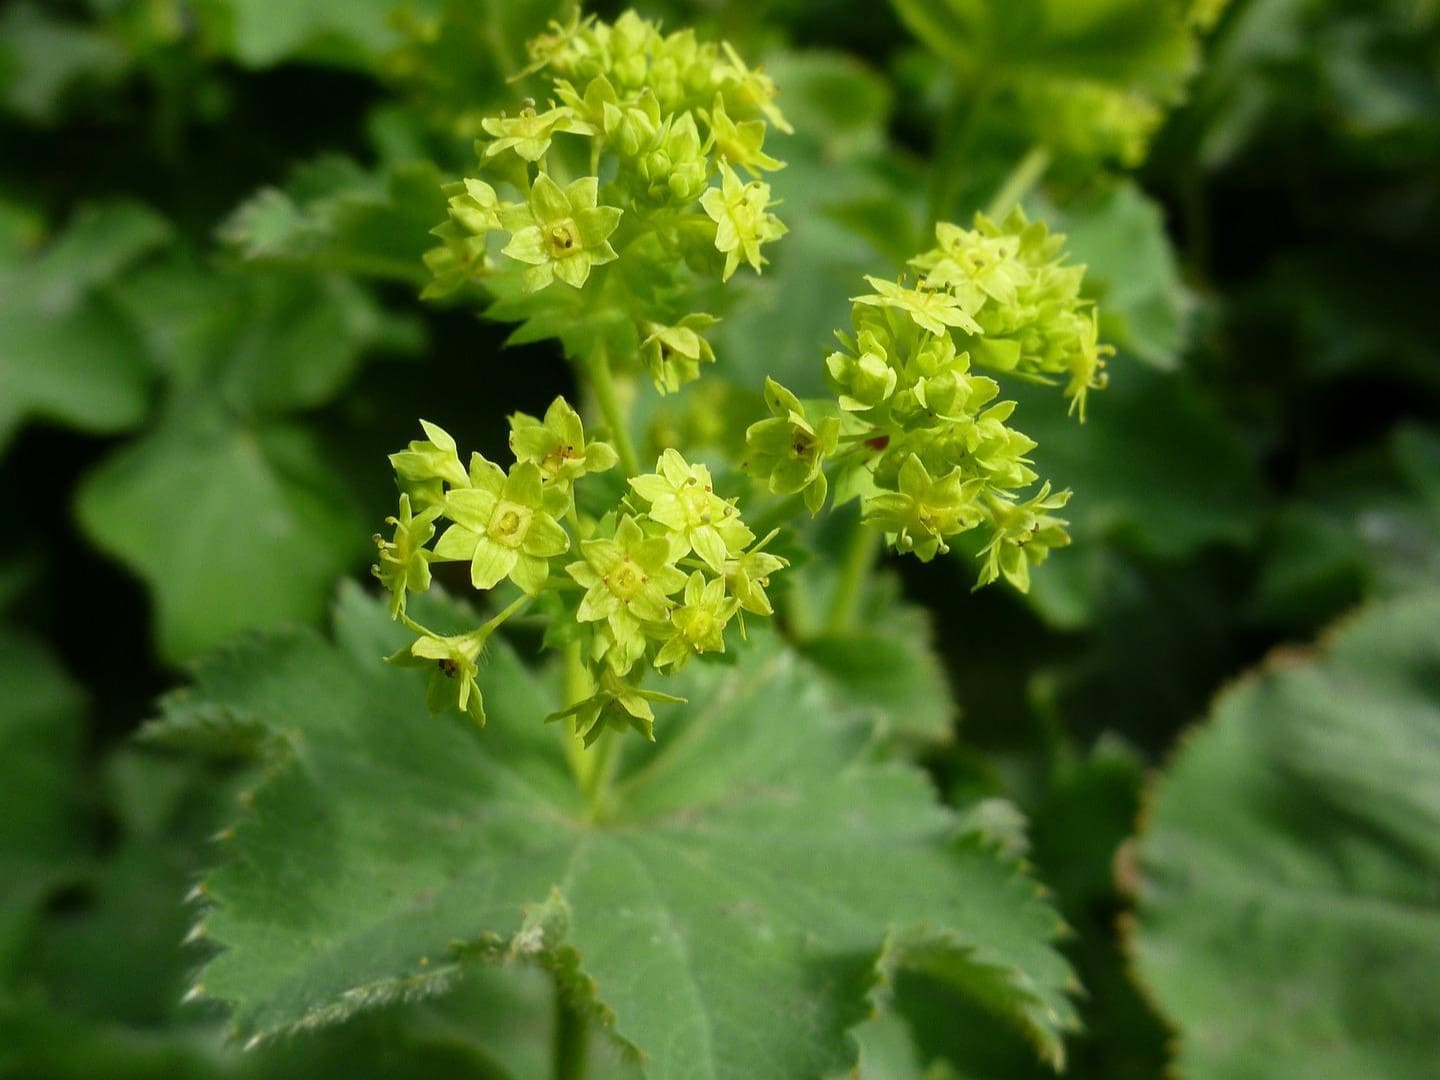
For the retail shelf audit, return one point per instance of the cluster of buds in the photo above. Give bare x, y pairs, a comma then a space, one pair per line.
631, 173
916, 431
658, 579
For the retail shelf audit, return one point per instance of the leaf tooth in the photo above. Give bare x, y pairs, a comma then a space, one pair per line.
197, 933
195, 993
200, 891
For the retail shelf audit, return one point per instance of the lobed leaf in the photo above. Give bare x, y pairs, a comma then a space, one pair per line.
1289, 901
752, 878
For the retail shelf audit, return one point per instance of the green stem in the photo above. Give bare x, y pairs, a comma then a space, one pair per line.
603, 383
414, 627
601, 771
571, 1034
513, 608
1017, 185
859, 559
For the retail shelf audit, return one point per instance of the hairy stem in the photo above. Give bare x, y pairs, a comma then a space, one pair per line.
1026, 174
602, 381
513, 608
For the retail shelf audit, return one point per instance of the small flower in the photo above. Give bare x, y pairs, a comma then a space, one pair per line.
742, 220
866, 380
682, 498
698, 624
787, 451
404, 562
529, 134
562, 233
748, 576
1024, 535
427, 465
614, 704
673, 354
627, 579
1087, 362
453, 663
501, 527
751, 89
924, 511
931, 309
675, 168
557, 444
973, 266
474, 206
739, 144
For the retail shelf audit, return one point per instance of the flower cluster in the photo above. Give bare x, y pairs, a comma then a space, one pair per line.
670, 124
916, 430
663, 578
656, 580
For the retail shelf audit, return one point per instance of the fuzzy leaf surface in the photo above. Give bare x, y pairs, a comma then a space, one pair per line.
1289, 915
755, 875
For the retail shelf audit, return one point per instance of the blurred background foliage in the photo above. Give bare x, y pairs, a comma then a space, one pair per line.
211, 217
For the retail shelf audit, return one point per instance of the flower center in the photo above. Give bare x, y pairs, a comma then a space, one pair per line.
562, 238
698, 503
696, 624
626, 580
509, 523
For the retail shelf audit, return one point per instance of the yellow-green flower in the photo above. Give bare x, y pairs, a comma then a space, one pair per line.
426, 466
698, 624
557, 446
529, 133
748, 576
673, 354
626, 579
924, 511
502, 528
740, 144
742, 220
682, 498
453, 663
787, 451
931, 309
616, 704
562, 233
1023, 536
404, 561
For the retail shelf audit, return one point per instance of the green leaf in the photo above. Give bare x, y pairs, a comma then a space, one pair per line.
349, 33
267, 339
232, 526
754, 875
1134, 44
1131, 270
1288, 916
42, 829
68, 352
335, 216
43, 57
